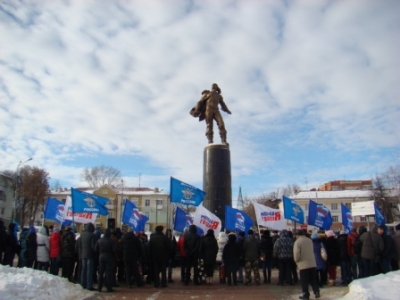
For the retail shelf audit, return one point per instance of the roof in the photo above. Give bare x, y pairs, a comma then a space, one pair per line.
333, 194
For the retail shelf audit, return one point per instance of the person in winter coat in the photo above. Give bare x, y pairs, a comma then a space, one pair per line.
333, 251
352, 237
240, 241
55, 250
251, 252
208, 253
107, 249
396, 239
267, 249
358, 250
389, 250
303, 255
320, 263
86, 248
97, 235
3, 235
222, 239
372, 246
345, 267
43, 249
10, 246
158, 251
231, 256
182, 253
191, 245
23, 246
68, 253
171, 253
31, 243
283, 250
131, 253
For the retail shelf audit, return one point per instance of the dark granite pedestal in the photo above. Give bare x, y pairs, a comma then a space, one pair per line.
217, 179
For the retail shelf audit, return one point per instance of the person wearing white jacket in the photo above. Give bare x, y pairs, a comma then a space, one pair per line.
222, 240
43, 249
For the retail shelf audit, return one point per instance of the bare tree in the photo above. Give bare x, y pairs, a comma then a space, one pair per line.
56, 185
31, 191
382, 196
99, 176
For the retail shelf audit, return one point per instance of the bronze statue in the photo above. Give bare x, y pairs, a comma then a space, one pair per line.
207, 108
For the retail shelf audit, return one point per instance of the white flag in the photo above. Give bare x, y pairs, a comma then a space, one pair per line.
205, 220
78, 217
269, 217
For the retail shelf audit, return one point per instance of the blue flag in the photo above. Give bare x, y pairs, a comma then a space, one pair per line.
84, 202
237, 220
55, 211
292, 210
142, 223
347, 218
184, 193
319, 216
132, 216
183, 220
379, 217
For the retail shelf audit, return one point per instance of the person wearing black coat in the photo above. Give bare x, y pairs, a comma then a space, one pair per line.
345, 265
267, 249
3, 234
208, 253
171, 253
158, 251
231, 257
333, 251
107, 249
86, 248
68, 253
191, 245
131, 253
11, 246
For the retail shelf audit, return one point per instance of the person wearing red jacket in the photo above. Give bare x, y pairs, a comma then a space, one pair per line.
55, 248
351, 237
182, 254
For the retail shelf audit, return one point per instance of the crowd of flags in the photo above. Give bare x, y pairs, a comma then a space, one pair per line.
82, 207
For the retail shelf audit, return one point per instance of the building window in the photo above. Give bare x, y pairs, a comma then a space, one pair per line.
41, 216
336, 188
2, 196
306, 207
367, 187
135, 201
105, 192
98, 216
110, 214
159, 204
2, 210
363, 219
335, 218
147, 202
110, 202
348, 205
147, 214
334, 206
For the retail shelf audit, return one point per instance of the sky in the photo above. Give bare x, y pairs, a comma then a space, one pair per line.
25, 283
313, 87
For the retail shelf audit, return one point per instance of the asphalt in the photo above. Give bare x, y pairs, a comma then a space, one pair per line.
179, 291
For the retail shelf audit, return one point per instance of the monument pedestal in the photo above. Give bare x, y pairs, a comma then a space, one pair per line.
217, 179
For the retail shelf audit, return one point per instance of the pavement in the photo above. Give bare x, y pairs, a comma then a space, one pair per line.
179, 291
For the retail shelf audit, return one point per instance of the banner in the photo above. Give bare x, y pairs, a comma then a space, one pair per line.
379, 217
55, 211
365, 208
319, 216
269, 217
347, 218
78, 216
237, 220
205, 220
132, 216
184, 193
292, 210
88, 203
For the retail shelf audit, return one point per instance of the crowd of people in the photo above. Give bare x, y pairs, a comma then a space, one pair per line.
110, 258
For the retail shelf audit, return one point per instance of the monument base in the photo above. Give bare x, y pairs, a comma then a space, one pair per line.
217, 179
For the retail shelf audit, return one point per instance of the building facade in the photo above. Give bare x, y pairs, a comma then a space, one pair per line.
6, 198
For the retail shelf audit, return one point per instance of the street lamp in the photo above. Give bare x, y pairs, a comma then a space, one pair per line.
16, 187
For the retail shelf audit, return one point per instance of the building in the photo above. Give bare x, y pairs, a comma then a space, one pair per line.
341, 185
6, 198
152, 203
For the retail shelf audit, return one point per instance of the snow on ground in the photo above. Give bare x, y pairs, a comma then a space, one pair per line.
32, 284
379, 287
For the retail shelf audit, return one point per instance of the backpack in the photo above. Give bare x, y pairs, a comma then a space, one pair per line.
357, 245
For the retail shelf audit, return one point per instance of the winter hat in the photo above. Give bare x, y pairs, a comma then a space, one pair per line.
329, 233
159, 228
314, 236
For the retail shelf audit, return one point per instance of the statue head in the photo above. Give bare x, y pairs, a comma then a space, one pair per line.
216, 88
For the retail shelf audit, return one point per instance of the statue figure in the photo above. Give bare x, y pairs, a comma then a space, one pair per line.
207, 108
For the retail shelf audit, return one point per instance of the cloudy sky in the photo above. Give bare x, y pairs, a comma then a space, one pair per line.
313, 87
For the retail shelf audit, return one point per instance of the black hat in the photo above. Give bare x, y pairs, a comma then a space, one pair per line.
159, 228
299, 232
